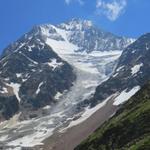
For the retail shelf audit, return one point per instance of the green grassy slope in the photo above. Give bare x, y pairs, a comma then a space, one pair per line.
129, 129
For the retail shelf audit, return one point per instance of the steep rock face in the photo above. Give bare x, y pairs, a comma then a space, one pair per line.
129, 129
8, 106
33, 74
133, 70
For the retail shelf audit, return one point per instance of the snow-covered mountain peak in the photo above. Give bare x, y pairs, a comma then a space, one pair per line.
45, 31
76, 24
56, 67
81, 36
73, 36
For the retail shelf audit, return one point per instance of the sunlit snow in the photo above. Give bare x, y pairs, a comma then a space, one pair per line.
38, 89
15, 87
136, 68
125, 95
54, 64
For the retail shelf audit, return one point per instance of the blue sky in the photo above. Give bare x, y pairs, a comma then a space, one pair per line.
123, 17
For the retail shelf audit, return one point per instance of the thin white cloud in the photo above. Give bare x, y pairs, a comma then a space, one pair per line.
112, 10
81, 2
68, 1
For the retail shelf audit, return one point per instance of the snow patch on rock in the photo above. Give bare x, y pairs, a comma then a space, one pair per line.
54, 64
47, 107
15, 87
120, 68
125, 95
18, 75
58, 95
4, 90
136, 68
38, 89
